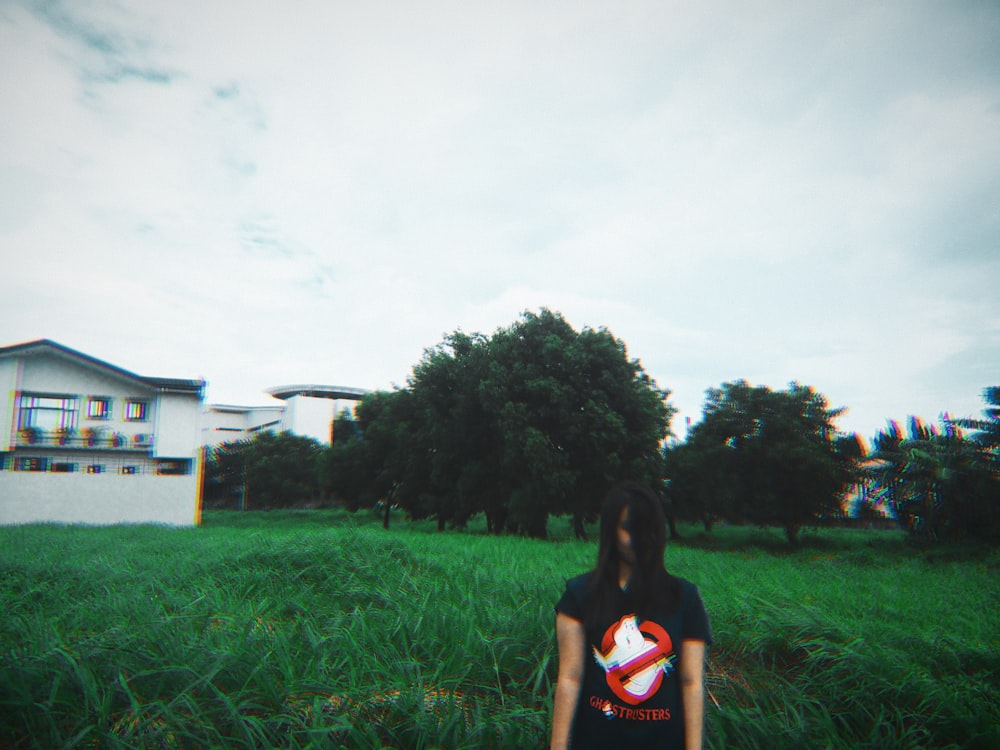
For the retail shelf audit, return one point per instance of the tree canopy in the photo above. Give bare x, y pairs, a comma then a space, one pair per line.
536, 419
937, 482
987, 429
268, 471
765, 456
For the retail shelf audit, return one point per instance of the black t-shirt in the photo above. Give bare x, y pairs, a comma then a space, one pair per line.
631, 694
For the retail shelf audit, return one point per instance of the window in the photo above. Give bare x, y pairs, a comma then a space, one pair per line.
98, 408
25, 463
136, 411
178, 467
47, 412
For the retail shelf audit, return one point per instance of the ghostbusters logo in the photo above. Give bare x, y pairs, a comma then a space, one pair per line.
635, 657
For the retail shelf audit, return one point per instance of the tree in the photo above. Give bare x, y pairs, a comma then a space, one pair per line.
937, 483
770, 457
701, 483
536, 419
364, 464
268, 471
225, 475
343, 467
987, 429
573, 415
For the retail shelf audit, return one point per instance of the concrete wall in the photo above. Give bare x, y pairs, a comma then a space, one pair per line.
35, 497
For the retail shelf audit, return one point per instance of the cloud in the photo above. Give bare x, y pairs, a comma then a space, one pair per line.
800, 191
105, 53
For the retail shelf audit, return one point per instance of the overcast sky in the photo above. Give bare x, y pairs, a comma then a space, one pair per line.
261, 193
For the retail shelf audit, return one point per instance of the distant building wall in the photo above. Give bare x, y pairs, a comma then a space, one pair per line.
221, 423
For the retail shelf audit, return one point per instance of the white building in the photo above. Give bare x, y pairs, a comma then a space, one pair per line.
223, 423
84, 441
307, 410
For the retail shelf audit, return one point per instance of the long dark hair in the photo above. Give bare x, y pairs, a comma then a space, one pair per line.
653, 588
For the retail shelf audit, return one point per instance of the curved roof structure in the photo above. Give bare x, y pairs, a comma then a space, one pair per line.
319, 391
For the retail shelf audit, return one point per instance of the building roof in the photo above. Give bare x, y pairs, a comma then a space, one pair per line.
40, 346
319, 391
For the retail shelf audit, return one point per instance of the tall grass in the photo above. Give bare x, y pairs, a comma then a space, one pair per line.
323, 630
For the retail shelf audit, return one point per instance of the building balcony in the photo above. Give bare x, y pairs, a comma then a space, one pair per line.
83, 440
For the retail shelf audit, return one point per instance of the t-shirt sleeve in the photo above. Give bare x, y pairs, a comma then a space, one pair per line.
696, 624
571, 602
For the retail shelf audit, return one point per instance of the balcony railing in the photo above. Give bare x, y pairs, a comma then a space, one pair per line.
78, 440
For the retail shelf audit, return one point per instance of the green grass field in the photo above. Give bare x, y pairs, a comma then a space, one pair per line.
321, 629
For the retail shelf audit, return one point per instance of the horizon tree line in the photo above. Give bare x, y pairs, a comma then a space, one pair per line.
540, 420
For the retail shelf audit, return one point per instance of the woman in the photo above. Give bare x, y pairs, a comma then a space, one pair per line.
631, 638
